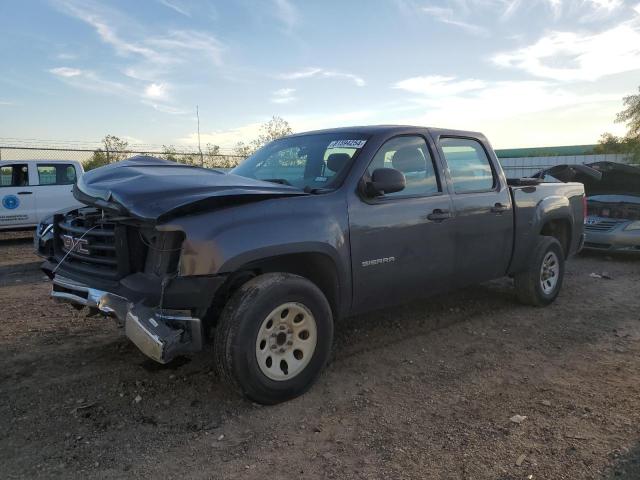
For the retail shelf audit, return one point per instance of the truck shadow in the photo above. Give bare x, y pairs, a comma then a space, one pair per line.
615, 256
626, 466
22, 274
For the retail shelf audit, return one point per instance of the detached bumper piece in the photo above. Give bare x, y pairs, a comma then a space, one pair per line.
160, 334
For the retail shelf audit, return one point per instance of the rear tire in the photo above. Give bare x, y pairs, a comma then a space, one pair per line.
274, 337
540, 284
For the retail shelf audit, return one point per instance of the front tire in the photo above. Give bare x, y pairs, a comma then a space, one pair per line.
274, 337
540, 284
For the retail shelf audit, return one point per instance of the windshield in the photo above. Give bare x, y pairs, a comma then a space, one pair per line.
306, 161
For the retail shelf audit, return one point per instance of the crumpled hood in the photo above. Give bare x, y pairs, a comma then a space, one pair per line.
153, 189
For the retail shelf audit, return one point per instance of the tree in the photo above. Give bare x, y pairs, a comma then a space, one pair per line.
630, 143
275, 128
114, 150
631, 115
242, 149
212, 150
169, 153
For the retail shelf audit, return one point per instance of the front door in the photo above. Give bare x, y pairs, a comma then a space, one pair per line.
17, 196
402, 243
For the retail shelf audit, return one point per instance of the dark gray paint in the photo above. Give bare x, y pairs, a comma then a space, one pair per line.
475, 244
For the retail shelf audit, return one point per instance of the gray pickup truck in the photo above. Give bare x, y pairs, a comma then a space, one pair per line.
311, 228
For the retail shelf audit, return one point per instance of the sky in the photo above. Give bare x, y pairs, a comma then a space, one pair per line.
524, 72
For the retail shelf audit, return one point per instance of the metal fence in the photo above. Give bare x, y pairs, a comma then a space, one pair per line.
514, 167
527, 166
8, 153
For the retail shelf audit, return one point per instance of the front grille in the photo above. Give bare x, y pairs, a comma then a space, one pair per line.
88, 244
602, 225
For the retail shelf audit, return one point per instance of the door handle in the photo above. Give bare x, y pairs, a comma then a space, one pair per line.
499, 208
25, 193
439, 215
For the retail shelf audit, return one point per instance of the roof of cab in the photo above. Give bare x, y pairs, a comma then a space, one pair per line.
390, 130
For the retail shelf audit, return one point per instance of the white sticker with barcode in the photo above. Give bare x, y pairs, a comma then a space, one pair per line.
347, 144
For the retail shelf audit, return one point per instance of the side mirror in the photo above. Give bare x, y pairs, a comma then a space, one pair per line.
385, 180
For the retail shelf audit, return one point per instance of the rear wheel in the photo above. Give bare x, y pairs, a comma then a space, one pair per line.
540, 284
274, 337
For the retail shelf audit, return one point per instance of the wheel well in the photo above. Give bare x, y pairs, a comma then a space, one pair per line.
316, 267
561, 230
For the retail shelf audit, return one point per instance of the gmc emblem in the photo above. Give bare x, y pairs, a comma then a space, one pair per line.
78, 245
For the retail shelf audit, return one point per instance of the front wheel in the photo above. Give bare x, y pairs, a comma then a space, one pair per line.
274, 337
540, 284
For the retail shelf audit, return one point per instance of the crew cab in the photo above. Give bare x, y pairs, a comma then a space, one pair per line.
311, 228
32, 190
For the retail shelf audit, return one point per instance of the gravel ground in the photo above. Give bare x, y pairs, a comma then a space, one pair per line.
426, 390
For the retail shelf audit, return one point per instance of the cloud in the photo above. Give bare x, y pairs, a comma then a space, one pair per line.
173, 47
469, 103
437, 85
66, 72
570, 56
176, 43
152, 57
90, 81
66, 56
165, 108
5, 103
448, 16
156, 91
176, 7
154, 95
105, 31
225, 138
286, 13
517, 113
606, 4
320, 72
283, 95
463, 13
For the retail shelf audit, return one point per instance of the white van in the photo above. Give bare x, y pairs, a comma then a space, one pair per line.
31, 190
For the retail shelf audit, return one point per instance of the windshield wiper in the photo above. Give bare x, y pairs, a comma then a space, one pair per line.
281, 181
315, 190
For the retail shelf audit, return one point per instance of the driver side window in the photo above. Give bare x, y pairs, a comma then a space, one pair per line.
411, 156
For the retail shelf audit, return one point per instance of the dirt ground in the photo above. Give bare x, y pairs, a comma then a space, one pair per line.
424, 391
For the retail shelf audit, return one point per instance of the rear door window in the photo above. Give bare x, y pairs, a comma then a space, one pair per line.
469, 165
56, 174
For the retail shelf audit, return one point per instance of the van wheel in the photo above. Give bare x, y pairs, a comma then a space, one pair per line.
540, 284
274, 337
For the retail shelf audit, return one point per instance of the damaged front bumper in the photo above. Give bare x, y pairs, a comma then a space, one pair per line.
161, 334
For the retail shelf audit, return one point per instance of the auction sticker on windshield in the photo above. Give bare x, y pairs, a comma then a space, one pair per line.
347, 144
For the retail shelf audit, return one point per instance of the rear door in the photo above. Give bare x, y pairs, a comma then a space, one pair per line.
402, 243
483, 211
55, 187
17, 195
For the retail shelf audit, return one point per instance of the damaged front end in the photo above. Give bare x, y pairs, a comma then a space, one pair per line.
128, 270
161, 334
119, 256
